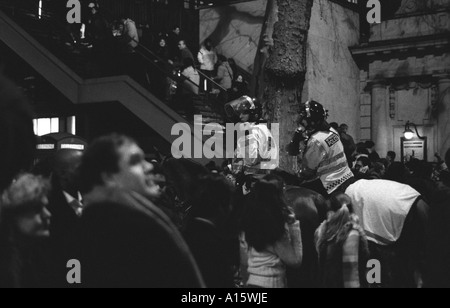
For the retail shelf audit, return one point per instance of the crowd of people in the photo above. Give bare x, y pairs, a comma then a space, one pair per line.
165, 63
173, 223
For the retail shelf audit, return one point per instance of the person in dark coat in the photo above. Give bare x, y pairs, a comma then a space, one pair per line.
126, 241
373, 155
65, 204
24, 229
16, 154
215, 248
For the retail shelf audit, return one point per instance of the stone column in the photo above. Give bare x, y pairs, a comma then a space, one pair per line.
381, 130
444, 114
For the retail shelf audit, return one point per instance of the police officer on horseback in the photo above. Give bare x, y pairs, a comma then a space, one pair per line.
256, 151
324, 167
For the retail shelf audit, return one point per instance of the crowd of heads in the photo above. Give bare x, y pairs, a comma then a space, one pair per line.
209, 229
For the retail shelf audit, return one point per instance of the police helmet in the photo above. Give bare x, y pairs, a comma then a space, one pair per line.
242, 105
314, 111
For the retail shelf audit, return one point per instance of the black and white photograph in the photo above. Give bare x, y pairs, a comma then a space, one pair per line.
224, 148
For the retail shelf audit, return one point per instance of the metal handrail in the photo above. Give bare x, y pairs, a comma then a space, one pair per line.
47, 16
168, 63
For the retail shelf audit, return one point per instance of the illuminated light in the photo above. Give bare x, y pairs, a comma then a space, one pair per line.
79, 147
409, 135
45, 147
40, 9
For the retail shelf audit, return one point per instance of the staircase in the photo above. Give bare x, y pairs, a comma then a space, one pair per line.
122, 89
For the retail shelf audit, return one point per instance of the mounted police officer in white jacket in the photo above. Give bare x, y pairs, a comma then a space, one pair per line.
257, 150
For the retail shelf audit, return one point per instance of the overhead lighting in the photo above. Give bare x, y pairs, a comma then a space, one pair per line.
40, 9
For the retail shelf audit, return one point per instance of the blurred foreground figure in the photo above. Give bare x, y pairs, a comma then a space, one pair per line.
126, 241
215, 247
17, 139
25, 222
65, 205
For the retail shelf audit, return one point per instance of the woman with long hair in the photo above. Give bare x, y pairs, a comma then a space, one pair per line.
270, 238
342, 247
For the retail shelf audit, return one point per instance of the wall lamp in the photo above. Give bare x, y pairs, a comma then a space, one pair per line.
409, 134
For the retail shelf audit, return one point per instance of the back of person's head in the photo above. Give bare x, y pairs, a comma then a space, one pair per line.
101, 157
335, 125
212, 198
397, 172
343, 127
392, 155
369, 144
278, 181
340, 212
264, 216
378, 170
20, 202
17, 138
362, 150
25, 192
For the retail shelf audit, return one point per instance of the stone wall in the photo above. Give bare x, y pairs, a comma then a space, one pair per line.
413, 26
333, 77
405, 76
235, 30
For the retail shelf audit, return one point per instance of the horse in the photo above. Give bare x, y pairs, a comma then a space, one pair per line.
395, 218
401, 259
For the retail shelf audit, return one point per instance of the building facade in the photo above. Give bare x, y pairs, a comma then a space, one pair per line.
405, 77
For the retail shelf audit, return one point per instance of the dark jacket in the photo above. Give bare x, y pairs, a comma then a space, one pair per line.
24, 264
64, 234
213, 252
126, 241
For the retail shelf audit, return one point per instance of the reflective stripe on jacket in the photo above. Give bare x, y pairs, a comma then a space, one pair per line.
325, 159
256, 151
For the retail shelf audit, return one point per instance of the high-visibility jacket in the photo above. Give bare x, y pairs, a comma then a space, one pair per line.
257, 150
325, 159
